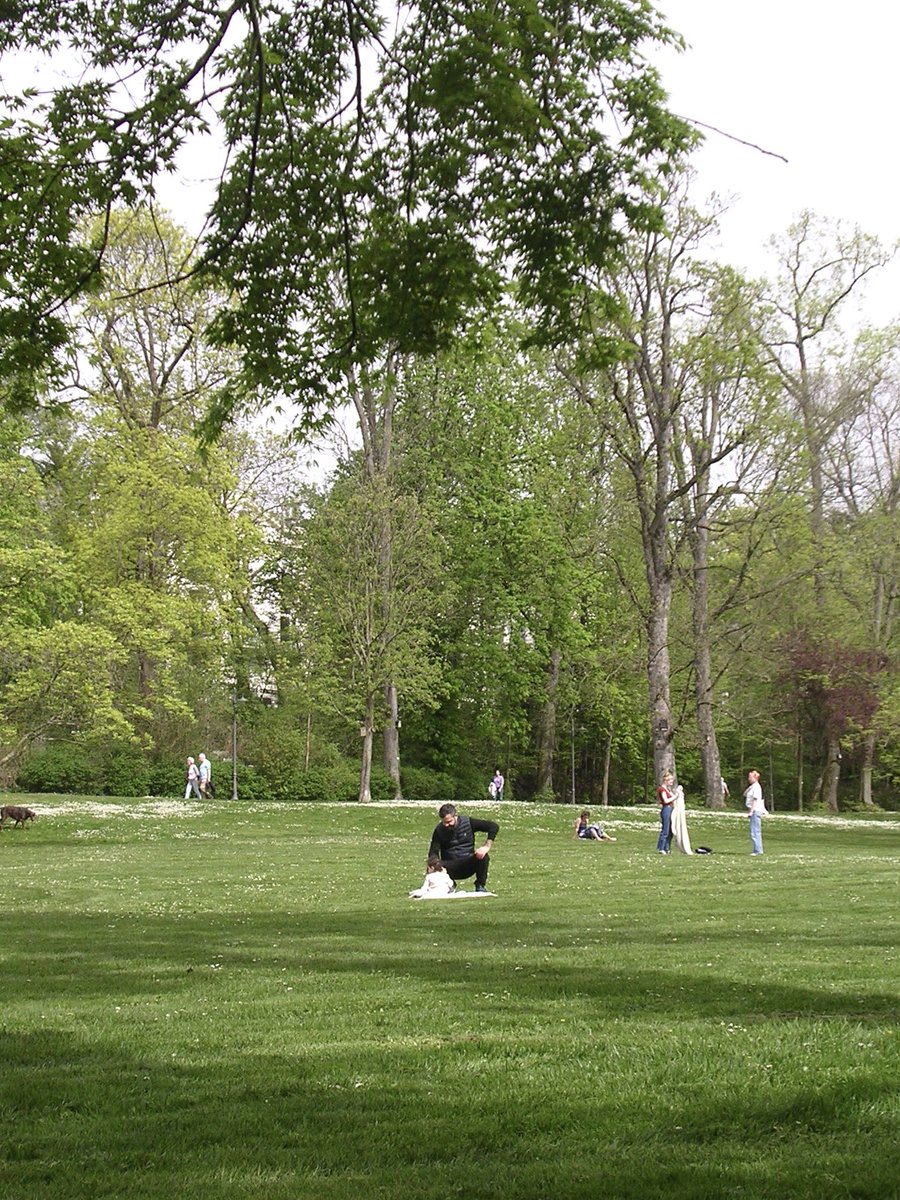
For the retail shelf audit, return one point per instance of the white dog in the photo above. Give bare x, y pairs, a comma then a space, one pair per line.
437, 883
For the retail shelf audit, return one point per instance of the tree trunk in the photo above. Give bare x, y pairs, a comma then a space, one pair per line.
607, 755
706, 730
868, 764
658, 673
145, 672
375, 409
709, 756
391, 729
817, 489
365, 773
547, 729
11, 756
827, 784
392, 738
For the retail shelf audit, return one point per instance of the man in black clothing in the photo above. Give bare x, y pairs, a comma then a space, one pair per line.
453, 841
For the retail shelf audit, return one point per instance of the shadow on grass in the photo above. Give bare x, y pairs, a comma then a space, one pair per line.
52, 956
92, 1120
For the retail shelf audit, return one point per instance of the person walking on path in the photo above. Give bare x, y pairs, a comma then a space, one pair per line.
192, 783
204, 770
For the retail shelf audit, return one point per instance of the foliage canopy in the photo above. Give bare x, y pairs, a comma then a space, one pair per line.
379, 176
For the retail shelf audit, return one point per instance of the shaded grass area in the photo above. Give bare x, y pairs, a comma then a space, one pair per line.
245, 1004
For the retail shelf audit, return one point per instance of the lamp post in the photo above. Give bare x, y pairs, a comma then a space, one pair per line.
234, 787
572, 749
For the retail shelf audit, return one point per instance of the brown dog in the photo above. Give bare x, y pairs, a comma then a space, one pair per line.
14, 812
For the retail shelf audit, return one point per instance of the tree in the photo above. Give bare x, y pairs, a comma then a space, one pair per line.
827, 376
829, 380
160, 547
375, 394
638, 401
369, 629
144, 357
862, 469
412, 170
155, 556
722, 453
837, 686
492, 440
56, 672
127, 545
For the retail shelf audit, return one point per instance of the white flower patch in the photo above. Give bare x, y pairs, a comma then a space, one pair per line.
841, 822
138, 811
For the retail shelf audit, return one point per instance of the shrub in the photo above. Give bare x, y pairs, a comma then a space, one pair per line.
381, 786
429, 786
547, 796
166, 777
302, 786
339, 782
62, 767
126, 773
252, 785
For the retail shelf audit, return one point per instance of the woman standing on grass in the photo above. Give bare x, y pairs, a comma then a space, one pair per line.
756, 806
666, 795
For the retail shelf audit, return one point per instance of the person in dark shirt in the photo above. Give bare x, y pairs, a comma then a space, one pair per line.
453, 841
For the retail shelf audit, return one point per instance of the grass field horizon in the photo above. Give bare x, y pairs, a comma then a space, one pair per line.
217, 1000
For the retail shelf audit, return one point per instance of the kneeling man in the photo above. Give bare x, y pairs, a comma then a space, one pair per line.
453, 841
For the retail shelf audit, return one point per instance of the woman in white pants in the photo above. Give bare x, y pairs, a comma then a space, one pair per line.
193, 780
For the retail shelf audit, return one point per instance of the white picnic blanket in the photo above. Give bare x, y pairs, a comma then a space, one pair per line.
453, 896
679, 823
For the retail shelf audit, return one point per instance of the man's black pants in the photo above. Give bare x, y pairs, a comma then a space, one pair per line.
463, 868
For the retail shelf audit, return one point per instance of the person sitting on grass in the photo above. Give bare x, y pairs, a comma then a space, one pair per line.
436, 884
453, 841
592, 833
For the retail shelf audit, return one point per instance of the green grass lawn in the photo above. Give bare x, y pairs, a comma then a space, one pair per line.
211, 1001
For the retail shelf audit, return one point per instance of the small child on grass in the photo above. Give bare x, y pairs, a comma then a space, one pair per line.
437, 882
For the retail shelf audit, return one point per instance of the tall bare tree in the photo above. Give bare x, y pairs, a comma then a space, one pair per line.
828, 376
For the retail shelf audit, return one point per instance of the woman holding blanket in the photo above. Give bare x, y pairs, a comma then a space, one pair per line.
666, 795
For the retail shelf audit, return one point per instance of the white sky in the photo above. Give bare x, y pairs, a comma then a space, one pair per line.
811, 80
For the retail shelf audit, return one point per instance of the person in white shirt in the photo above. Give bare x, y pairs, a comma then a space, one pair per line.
756, 810
437, 882
204, 771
